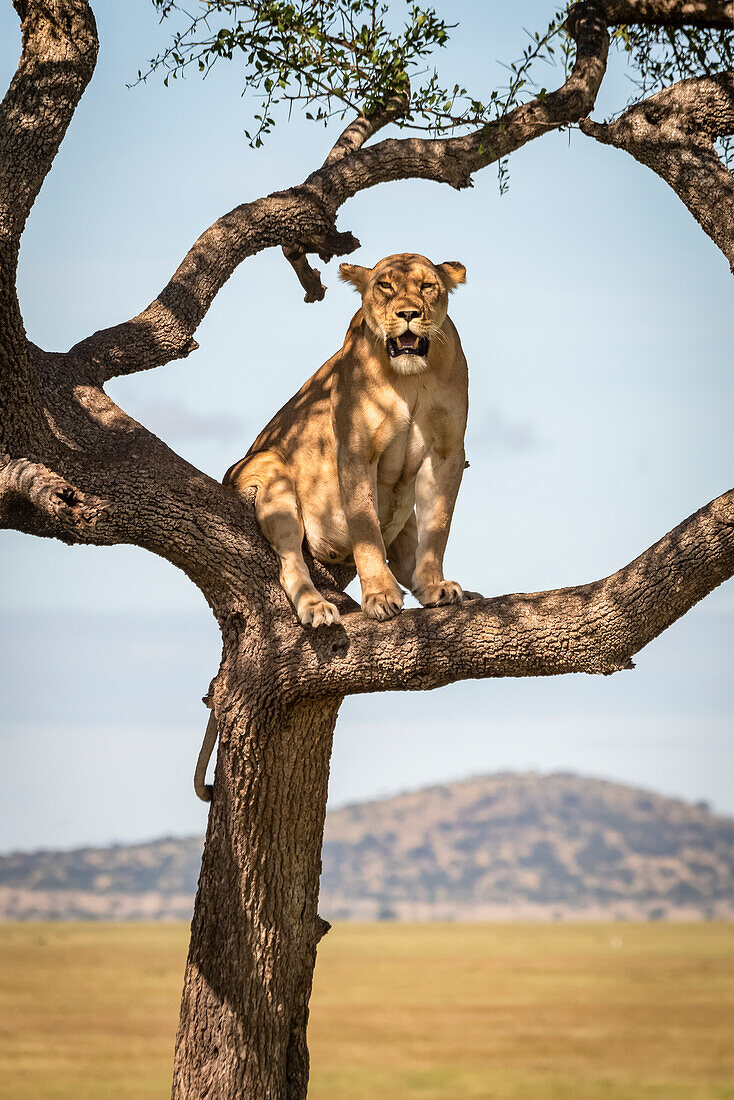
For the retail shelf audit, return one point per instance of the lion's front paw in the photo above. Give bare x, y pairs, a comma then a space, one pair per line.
442, 592
383, 605
314, 610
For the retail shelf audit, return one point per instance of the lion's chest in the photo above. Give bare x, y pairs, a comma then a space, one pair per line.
402, 457
397, 469
397, 433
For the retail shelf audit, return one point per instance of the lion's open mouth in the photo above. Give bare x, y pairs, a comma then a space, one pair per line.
408, 343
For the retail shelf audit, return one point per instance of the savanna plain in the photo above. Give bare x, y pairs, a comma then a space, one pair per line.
436, 1012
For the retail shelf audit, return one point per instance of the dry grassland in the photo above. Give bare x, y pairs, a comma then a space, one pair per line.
415, 1012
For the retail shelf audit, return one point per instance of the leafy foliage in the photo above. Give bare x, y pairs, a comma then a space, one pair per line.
332, 56
345, 57
663, 55
340, 56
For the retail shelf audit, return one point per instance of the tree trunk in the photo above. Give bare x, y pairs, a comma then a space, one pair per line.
244, 1011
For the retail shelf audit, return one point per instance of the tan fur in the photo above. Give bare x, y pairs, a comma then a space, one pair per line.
366, 460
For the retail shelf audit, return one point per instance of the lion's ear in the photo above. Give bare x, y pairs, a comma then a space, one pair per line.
356, 275
452, 273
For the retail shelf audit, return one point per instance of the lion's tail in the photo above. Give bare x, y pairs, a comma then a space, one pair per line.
205, 790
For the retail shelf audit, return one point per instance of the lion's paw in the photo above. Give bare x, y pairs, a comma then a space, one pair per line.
442, 592
314, 610
383, 605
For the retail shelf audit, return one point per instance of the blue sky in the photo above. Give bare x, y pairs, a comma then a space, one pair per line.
598, 327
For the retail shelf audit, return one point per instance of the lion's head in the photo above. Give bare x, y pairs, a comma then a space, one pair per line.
404, 303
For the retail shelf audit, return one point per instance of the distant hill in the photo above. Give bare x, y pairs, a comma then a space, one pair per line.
529, 845
497, 847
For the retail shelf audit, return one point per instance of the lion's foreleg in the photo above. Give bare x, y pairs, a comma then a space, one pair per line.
382, 596
436, 489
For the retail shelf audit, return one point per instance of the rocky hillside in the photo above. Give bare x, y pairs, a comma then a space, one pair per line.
496, 847
529, 845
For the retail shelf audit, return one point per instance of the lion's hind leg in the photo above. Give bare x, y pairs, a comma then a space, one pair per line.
401, 553
279, 518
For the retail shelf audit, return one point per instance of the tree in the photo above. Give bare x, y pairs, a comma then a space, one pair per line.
75, 467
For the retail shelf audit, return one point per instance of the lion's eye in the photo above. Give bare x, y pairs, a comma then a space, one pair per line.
384, 286
428, 286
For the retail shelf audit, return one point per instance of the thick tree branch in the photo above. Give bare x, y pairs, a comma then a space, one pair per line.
59, 53
57, 61
163, 331
670, 13
594, 628
362, 128
35, 500
673, 133
303, 218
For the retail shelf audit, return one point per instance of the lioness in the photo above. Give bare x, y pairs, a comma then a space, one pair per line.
366, 460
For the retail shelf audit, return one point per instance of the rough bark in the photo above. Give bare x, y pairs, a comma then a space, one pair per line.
593, 628
670, 13
74, 466
242, 1030
59, 54
59, 39
37, 501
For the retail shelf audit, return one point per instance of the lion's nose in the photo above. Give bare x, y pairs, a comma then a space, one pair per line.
408, 314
